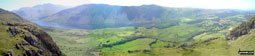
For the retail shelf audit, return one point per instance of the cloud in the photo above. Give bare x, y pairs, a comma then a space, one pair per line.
16, 4
67, 2
209, 4
213, 4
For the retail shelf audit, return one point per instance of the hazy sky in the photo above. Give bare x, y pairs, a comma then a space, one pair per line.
209, 4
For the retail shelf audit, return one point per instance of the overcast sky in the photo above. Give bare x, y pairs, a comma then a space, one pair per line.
208, 4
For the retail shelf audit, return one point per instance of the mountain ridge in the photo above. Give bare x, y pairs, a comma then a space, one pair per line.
94, 16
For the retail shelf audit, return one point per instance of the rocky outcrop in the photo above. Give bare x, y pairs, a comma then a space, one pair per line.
19, 37
243, 29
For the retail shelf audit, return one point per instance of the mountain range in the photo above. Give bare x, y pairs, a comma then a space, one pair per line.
95, 16
39, 11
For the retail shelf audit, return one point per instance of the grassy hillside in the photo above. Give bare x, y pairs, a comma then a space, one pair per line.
19, 37
70, 41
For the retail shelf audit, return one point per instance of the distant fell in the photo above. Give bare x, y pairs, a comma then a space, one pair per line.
39, 11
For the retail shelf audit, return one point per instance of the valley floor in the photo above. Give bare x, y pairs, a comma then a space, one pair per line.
205, 38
